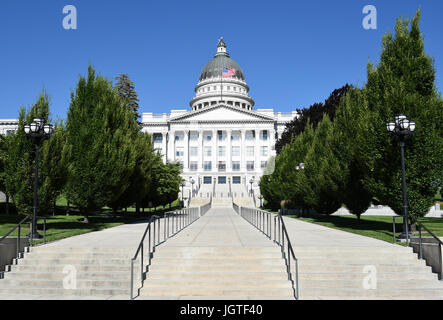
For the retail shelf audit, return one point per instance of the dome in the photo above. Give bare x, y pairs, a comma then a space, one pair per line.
221, 61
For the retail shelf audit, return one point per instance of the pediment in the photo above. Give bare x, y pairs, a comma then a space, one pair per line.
222, 113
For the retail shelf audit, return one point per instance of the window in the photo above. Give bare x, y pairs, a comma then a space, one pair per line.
250, 135
264, 151
250, 165
221, 136
235, 151
193, 136
235, 166
208, 151
221, 166
193, 165
236, 136
236, 180
263, 164
207, 180
215, 88
250, 151
179, 152
158, 138
264, 135
207, 166
222, 151
179, 137
229, 88
193, 151
221, 180
182, 165
208, 137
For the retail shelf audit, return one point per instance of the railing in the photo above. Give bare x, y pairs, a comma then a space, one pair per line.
173, 222
18, 228
420, 226
262, 220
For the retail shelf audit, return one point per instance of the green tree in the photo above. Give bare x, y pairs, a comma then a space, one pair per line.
20, 162
126, 91
100, 133
351, 115
403, 82
141, 179
322, 176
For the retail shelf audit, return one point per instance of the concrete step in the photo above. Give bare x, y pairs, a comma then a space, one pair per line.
357, 250
72, 261
203, 292
189, 276
217, 261
49, 249
77, 255
218, 283
342, 293
381, 268
218, 268
360, 276
120, 275
406, 261
79, 268
381, 284
25, 290
81, 284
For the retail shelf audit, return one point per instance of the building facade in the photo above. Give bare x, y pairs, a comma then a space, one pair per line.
222, 138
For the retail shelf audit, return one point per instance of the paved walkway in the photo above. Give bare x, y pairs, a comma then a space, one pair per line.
220, 227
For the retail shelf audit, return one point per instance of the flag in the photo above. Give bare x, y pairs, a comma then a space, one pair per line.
228, 72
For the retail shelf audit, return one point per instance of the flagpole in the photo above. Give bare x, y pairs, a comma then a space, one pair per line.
221, 82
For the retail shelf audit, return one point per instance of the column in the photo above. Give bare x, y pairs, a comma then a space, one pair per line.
257, 151
171, 142
186, 151
228, 151
202, 150
242, 151
165, 146
214, 150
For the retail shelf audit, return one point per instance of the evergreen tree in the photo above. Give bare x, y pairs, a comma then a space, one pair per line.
322, 175
314, 114
100, 133
352, 114
20, 163
126, 91
403, 82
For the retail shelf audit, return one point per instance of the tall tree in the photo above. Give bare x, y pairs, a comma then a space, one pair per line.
403, 82
352, 114
126, 91
100, 131
314, 114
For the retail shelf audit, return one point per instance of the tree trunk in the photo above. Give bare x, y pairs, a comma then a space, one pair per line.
358, 217
143, 209
413, 227
137, 208
53, 208
7, 204
67, 210
126, 209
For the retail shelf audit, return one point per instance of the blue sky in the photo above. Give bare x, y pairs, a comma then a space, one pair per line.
293, 53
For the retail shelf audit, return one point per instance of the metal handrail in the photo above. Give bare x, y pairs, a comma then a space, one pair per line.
19, 226
420, 241
174, 221
262, 220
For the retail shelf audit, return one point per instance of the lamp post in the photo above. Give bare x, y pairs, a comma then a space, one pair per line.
261, 201
192, 183
251, 182
400, 130
182, 184
38, 132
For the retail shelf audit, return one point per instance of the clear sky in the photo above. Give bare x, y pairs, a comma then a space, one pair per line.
293, 53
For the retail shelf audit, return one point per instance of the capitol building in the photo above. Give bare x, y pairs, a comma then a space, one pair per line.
222, 142
223, 139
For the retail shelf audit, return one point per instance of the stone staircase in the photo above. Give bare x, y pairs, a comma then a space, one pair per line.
98, 272
236, 273
221, 203
339, 274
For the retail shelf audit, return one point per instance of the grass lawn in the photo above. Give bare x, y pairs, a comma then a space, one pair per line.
61, 226
378, 227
